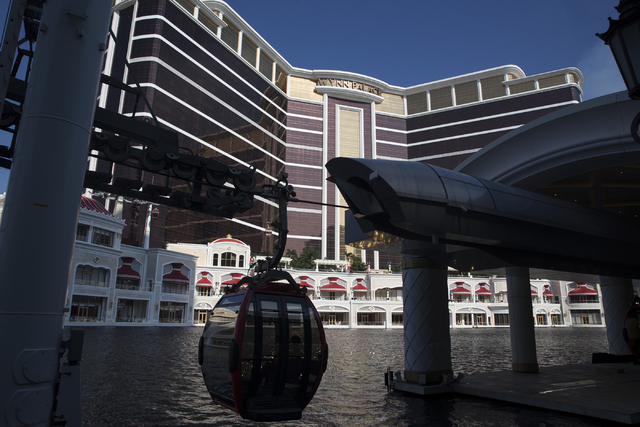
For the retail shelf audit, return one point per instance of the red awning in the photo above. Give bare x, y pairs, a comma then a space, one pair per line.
333, 286
231, 282
95, 206
307, 285
204, 281
483, 291
360, 288
228, 240
547, 292
175, 275
126, 271
583, 290
460, 290
534, 292
235, 278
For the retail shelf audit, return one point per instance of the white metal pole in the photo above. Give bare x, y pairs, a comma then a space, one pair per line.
43, 198
147, 226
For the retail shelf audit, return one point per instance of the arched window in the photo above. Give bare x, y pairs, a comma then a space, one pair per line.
228, 259
215, 260
241, 261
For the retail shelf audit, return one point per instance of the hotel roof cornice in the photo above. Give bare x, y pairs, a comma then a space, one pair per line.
219, 11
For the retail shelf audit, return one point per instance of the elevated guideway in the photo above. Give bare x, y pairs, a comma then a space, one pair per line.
556, 198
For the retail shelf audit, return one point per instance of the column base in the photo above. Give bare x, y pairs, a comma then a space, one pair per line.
531, 368
433, 377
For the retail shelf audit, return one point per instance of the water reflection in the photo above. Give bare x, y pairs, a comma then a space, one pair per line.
149, 376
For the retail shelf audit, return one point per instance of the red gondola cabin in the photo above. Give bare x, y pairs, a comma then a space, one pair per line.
263, 352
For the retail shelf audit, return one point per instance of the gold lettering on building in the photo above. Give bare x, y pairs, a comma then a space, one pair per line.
349, 84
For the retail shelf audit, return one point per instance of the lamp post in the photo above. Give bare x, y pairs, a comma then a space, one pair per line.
623, 37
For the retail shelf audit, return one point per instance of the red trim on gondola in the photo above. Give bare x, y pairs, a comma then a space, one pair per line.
236, 376
175, 275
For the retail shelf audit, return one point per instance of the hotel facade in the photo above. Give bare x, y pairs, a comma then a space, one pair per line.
211, 78
114, 284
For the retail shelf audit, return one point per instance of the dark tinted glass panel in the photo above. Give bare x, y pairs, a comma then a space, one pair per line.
298, 338
271, 339
230, 35
316, 352
189, 7
217, 337
208, 22
249, 51
266, 66
248, 349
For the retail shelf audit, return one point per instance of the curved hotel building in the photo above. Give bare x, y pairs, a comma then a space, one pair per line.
210, 77
114, 284
117, 284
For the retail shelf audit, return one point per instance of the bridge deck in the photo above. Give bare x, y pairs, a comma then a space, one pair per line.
609, 391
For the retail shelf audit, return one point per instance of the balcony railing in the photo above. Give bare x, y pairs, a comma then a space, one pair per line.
327, 298
132, 319
172, 320
371, 322
175, 291
86, 319
91, 283
133, 287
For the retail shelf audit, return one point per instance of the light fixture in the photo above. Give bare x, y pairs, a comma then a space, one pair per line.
623, 37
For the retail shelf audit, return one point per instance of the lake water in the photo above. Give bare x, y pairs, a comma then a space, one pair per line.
149, 376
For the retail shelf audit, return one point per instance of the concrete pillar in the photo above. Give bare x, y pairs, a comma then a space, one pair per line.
617, 297
427, 340
523, 338
43, 199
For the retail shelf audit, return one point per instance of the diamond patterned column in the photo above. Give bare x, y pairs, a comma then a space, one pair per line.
617, 297
523, 337
427, 341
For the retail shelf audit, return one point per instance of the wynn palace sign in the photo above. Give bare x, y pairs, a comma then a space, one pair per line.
348, 84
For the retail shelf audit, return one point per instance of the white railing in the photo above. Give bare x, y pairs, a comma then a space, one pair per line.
86, 319
132, 320
90, 283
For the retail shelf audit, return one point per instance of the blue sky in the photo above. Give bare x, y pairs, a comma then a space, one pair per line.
409, 42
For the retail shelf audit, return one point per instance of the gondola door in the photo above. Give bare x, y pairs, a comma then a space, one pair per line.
281, 357
263, 354
631, 329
